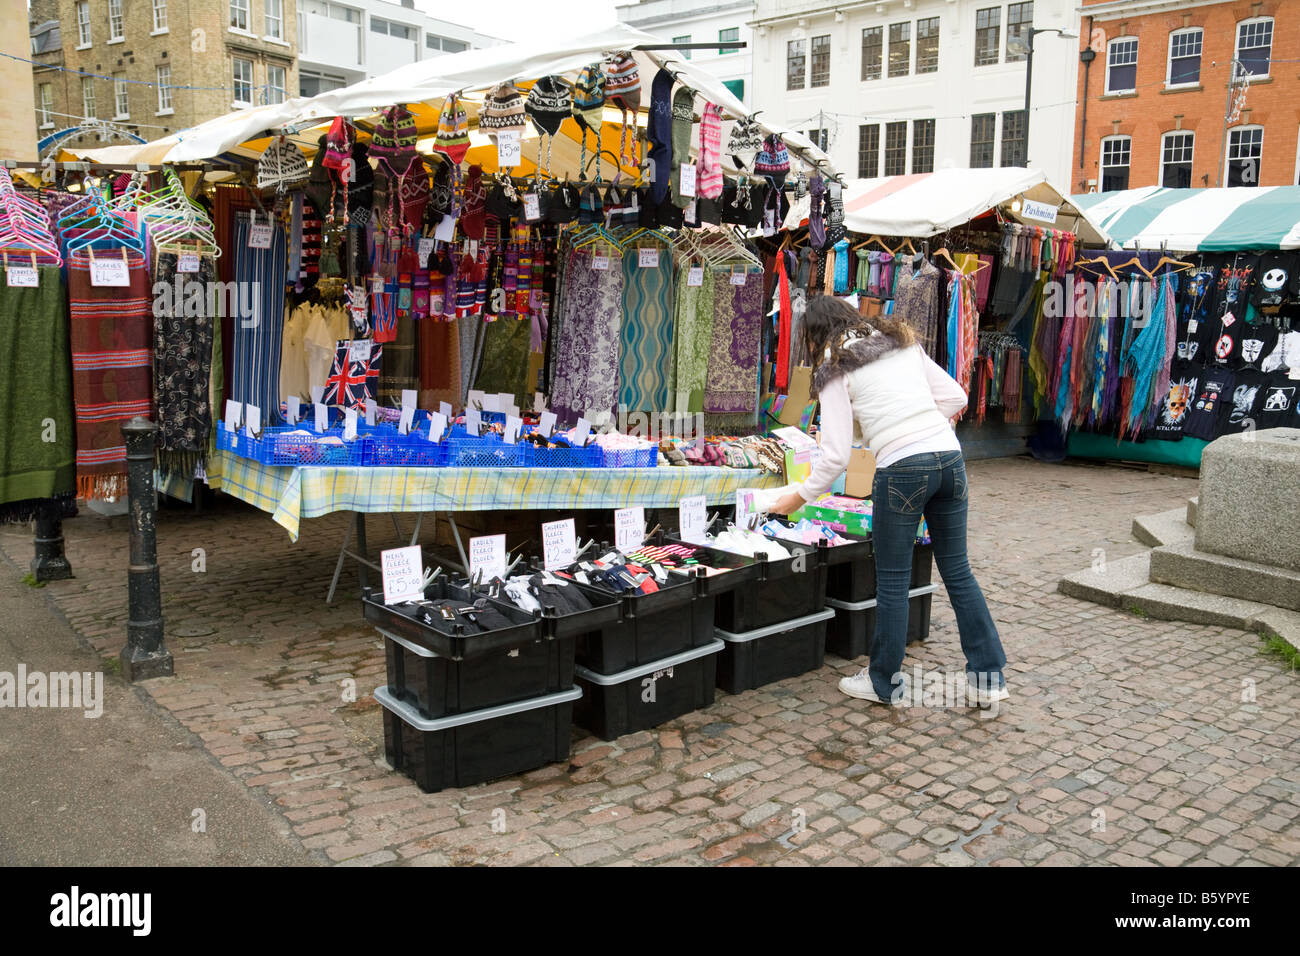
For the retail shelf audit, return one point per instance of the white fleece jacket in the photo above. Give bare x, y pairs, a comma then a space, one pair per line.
901, 402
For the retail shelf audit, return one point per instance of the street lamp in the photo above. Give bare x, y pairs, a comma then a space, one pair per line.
1023, 45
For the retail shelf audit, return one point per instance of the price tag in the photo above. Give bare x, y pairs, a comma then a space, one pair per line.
403, 570
318, 393
252, 420
444, 409
487, 557
234, 414
547, 425
425, 248
744, 505
1192, 326
349, 424
691, 518
259, 235
738, 276
187, 262
23, 277
372, 411
559, 544
582, 432
532, 207
695, 276
377, 284
322, 417
691, 216
474, 398
408, 418
647, 258
472, 423
509, 148
359, 350
600, 262
445, 231
687, 179
629, 529
408, 398
294, 409
505, 402
437, 426
513, 425
539, 402
489, 403
109, 272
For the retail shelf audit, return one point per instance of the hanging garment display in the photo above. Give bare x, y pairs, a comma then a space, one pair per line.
258, 331
354, 374
659, 131
682, 121
586, 357
708, 184
623, 88
646, 349
732, 385
692, 341
916, 301
182, 365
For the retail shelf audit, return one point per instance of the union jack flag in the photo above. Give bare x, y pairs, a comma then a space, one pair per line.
354, 377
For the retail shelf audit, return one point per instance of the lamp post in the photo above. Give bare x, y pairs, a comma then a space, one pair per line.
1023, 45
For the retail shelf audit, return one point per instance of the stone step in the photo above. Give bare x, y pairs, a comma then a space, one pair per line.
1192, 505
1169, 603
1167, 527
1109, 583
1181, 565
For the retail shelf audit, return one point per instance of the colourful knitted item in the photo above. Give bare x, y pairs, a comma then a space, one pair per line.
709, 180
453, 130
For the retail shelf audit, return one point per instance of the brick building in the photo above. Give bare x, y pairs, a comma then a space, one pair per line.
1156, 80
158, 65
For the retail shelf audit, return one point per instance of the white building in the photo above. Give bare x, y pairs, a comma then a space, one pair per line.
907, 86
700, 21
343, 43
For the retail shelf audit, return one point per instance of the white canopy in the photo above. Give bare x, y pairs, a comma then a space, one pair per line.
926, 204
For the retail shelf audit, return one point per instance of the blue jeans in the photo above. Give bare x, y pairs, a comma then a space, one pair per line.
933, 484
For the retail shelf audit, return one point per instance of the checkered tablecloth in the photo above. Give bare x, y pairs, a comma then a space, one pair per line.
291, 494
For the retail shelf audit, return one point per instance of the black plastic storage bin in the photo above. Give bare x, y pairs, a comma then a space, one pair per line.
772, 653
854, 579
643, 697
606, 610
442, 674
653, 626
464, 749
849, 634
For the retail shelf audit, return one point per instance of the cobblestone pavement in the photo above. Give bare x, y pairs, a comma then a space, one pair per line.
1127, 741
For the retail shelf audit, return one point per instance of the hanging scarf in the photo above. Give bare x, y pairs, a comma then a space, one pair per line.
783, 335
182, 363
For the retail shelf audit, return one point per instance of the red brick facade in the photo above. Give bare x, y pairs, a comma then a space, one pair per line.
1155, 107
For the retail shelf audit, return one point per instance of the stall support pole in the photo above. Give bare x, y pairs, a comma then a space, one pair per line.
50, 563
145, 655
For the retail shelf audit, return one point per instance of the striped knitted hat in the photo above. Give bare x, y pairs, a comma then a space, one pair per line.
453, 130
745, 142
548, 104
394, 136
589, 97
773, 160
282, 164
503, 109
623, 82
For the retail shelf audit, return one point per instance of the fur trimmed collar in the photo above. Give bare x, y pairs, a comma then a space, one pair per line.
853, 352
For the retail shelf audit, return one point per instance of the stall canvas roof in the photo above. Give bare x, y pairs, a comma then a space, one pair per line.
1220, 219
926, 204
238, 138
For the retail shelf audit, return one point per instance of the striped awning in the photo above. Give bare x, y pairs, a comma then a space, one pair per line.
1224, 219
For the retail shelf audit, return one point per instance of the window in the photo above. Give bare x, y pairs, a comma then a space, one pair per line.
45, 105
83, 23
164, 73
900, 49
896, 148
121, 105
1245, 154
114, 20
821, 138
310, 84
927, 45
1115, 154
1020, 17
794, 65
1176, 160
275, 19
239, 14
1185, 57
1122, 65
686, 54
869, 151
159, 15
983, 130
732, 35
88, 97
399, 30
737, 88
1013, 138
243, 75
275, 84
821, 61
987, 30
923, 146
1255, 45
872, 44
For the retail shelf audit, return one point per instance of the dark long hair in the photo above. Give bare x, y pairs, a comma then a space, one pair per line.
827, 319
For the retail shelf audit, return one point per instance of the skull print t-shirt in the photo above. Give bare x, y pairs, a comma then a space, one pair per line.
1213, 391
1172, 412
1236, 276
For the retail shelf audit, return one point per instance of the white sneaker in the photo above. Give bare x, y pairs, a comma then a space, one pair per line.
985, 697
859, 686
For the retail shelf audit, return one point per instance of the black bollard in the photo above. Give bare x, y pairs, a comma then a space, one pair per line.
50, 563
144, 656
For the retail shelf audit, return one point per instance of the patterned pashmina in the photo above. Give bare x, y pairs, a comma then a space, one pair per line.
693, 342
111, 334
259, 324
734, 356
504, 366
182, 364
586, 359
646, 351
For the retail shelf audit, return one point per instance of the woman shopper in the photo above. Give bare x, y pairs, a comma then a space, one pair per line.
873, 373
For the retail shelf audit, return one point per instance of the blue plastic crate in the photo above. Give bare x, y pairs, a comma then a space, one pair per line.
647, 457
388, 449
280, 446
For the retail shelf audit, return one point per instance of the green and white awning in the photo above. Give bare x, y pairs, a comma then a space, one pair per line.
1198, 220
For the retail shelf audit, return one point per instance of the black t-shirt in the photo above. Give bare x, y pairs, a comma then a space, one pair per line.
1257, 341
1277, 279
1193, 338
1242, 407
1197, 295
1277, 404
1213, 391
1223, 344
1172, 413
1235, 278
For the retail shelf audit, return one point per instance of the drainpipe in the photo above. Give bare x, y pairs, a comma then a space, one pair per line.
1086, 56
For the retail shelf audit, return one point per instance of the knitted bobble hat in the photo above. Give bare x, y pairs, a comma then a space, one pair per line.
394, 136
283, 163
623, 86
338, 143
453, 130
773, 160
503, 109
589, 97
745, 142
548, 103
